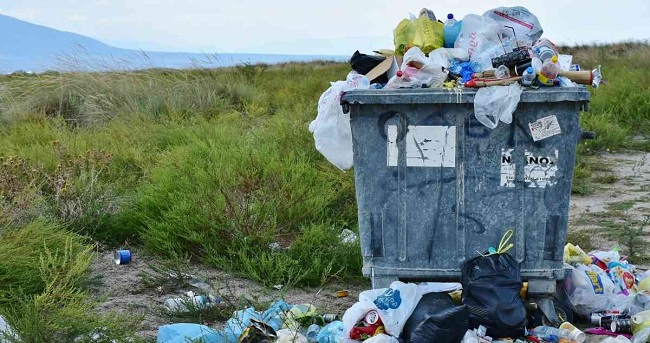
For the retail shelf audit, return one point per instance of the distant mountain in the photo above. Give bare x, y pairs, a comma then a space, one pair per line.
30, 47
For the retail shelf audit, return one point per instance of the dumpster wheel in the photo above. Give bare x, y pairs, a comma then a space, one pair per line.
563, 313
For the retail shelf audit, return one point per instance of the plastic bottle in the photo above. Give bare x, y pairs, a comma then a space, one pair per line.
576, 334
550, 334
550, 70
528, 77
451, 30
312, 333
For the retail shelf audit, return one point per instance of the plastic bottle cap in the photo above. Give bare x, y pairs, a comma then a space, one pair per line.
450, 16
554, 59
530, 70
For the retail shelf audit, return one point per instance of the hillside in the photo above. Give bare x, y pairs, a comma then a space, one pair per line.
30, 47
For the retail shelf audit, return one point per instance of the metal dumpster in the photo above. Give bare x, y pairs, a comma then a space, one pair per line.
435, 187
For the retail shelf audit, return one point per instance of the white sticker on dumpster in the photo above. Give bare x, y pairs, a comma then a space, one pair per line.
508, 170
540, 170
544, 128
426, 146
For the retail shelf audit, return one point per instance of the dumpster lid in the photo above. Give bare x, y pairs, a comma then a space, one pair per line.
452, 96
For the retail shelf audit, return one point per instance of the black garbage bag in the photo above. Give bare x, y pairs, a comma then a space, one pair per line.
491, 287
362, 64
435, 319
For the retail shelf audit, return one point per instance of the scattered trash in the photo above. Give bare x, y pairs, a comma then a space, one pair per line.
341, 294
288, 336
278, 287
299, 315
329, 318
348, 236
122, 257
191, 301
6, 332
331, 332
275, 246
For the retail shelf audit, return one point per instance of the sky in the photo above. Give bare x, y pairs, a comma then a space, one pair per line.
326, 27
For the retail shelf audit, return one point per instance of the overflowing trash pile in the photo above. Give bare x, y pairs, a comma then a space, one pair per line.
606, 294
499, 54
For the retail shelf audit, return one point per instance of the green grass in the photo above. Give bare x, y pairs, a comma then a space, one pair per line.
210, 166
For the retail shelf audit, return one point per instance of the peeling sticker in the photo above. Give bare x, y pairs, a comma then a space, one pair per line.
540, 171
507, 168
544, 128
426, 146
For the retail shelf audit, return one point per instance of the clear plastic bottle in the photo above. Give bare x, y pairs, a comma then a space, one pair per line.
550, 334
550, 70
528, 77
451, 30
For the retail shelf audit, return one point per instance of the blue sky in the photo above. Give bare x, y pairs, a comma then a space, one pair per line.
332, 27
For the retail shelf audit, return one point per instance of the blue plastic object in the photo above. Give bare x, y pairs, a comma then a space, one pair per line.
331, 332
180, 333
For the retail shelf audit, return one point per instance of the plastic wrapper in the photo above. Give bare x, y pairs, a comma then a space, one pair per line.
428, 34
403, 36
331, 332
496, 103
432, 321
331, 128
447, 57
521, 20
289, 336
417, 72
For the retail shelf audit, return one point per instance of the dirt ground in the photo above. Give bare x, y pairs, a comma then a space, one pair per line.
623, 197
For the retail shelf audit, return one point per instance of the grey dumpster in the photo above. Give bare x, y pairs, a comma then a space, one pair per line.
435, 187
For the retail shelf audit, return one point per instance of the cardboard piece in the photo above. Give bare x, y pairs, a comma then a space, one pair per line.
389, 66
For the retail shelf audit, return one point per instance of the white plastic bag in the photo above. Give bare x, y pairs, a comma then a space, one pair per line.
495, 103
446, 56
381, 338
417, 71
591, 290
331, 128
642, 336
289, 336
477, 35
525, 24
394, 305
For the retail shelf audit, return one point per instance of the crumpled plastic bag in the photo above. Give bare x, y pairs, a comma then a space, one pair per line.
526, 25
496, 103
477, 34
428, 34
394, 305
446, 57
417, 72
403, 36
642, 336
297, 314
331, 128
331, 332
289, 336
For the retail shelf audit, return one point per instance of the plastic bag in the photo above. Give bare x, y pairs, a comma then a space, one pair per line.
495, 103
477, 35
363, 64
428, 34
447, 57
642, 336
331, 128
331, 332
491, 287
436, 319
525, 24
289, 336
417, 72
591, 290
394, 305
403, 36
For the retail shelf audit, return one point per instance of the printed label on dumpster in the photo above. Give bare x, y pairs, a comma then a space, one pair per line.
508, 170
426, 146
540, 171
544, 128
